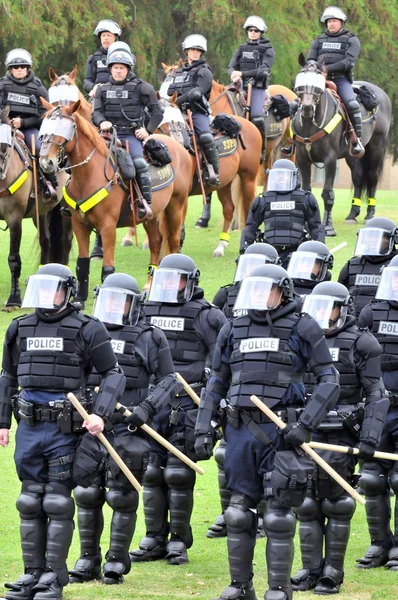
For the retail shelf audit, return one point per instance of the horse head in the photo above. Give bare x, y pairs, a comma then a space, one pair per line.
309, 85
57, 134
64, 92
173, 123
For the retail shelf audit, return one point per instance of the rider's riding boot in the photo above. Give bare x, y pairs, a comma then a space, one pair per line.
144, 181
50, 185
260, 124
354, 112
210, 151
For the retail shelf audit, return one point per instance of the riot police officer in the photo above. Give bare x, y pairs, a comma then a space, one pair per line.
47, 354
252, 63
381, 317
121, 102
375, 247
97, 72
338, 49
254, 356
326, 513
192, 82
286, 211
142, 351
177, 305
21, 90
310, 264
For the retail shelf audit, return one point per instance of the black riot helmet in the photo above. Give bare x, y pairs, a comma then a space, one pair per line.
283, 177
118, 300
377, 238
50, 288
328, 304
254, 256
310, 262
265, 289
175, 280
388, 286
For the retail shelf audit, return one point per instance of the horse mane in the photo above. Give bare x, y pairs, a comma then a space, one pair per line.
217, 88
91, 132
167, 68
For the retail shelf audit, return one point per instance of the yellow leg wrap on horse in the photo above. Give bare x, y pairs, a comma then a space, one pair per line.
225, 237
151, 267
356, 202
372, 202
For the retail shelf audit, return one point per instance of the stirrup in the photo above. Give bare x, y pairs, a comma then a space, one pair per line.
357, 148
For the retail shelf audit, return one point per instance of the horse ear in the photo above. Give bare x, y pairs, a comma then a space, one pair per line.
73, 74
165, 67
180, 63
158, 95
173, 98
52, 74
75, 107
301, 59
6, 111
46, 104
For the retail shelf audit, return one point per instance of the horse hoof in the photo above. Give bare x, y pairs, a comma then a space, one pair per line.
218, 253
10, 307
330, 231
144, 246
350, 221
369, 215
126, 242
202, 223
97, 254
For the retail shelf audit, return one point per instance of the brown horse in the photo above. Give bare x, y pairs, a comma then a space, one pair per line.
17, 202
70, 95
100, 201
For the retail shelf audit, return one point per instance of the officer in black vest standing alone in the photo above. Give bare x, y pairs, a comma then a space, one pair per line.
177, 305
357, 417
265, 353
381, 317
286, 211
47, 354
252, 63
142, 351
97, 72
375, 247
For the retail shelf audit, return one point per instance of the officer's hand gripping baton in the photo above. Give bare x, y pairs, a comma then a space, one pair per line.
122, 465
350, 450
161, 440
188, 389
307, 448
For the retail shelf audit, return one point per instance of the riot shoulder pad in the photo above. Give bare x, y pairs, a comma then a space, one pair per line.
367, 345
216, 318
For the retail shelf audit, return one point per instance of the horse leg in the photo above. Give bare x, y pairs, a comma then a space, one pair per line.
225, 197
14, 262
328, 194
355, 165
108, 234
204, 219
82, 232
155, 242
97, 252
67, 238
44, 240
128, 238
173, 228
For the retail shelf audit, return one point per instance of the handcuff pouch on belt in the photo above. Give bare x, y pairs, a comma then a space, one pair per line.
57, 411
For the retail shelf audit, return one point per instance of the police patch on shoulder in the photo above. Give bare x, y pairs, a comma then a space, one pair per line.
168, 323
45, 343
259, 345
364, 279
118, 346
388, 327
288, 205
334, 353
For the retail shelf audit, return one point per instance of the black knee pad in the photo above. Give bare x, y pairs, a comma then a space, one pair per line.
309, 510
121, 500
341, 509
279, 522
58, 506
178, 475
372, 480
153, 476
91, 497
239, 520
219, 455
206, 138
140, 164
29, 506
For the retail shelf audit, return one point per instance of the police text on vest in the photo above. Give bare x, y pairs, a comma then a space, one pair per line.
118, 346
388, 328
168, 323
45, 344
259, 345
367, 279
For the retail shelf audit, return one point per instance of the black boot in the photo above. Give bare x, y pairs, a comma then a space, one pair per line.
97, 251
82, 275
260, 124
354, 111
22, 588
210, 151
144, 182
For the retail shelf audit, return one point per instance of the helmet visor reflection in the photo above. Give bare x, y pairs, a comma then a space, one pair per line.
258, 293
45, 291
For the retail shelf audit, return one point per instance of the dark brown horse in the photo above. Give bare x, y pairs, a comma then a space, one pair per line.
100, 200
17, 202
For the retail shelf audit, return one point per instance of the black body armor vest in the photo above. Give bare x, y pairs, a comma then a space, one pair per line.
122, 103
99, 68
385, 330
284, 218
231, 292
186, 77
251, 56
363, 279
341, 348
21, 97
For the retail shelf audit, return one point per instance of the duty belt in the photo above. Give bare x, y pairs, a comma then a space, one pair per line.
57, 411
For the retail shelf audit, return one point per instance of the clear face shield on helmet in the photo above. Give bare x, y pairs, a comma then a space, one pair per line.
281, 180
116, 306
247, 263
373, 241
307, 266
258, 293
388, 286
47, 292
330, 312
171, 286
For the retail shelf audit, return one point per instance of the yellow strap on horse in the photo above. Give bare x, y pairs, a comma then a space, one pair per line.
88, 203
333, 123
225, 237
22, 177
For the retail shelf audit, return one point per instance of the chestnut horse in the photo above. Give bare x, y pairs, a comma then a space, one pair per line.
95, 188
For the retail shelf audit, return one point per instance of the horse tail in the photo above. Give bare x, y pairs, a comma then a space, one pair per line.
164, 232
372, 164
237, 199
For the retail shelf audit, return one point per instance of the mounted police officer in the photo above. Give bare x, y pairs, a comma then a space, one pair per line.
192, 82
265, 353
310, 264
381, 317
121, 102
251, 64
286, 211
20, 89
375, 247
177, 305
357, 417
337, 49
47, 354
142, 351
97, 72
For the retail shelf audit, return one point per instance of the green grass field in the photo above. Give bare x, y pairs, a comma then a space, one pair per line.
207, 573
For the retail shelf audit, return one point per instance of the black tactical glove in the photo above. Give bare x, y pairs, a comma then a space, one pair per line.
141, 414
204, 444
366, 451
296, 434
